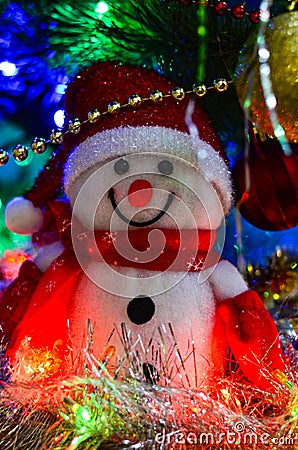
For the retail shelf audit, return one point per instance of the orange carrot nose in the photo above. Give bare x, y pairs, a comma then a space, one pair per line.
139, 193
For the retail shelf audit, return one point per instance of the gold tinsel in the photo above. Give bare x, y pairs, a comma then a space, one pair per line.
282, 44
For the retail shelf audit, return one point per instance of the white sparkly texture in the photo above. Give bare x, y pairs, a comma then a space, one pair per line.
202, 154
22, 217
122, 141
110, 237
107, 311
50, 286
227, 281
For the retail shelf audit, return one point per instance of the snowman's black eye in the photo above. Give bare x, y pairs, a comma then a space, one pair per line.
121, 166
165, 167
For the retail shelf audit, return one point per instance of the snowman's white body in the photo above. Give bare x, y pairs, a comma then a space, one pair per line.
185, 300
189, 307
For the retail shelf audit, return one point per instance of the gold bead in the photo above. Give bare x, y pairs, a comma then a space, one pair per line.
178, 93
56, 137
156, 96
38, 145
199, 89
74, 126
20, 153
4, 157
113, 107
221, 85
134, 101
93, 115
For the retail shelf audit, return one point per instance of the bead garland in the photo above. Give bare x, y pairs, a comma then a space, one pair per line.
220, 8
39, 145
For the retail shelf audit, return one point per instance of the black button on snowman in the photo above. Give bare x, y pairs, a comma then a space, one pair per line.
140, 309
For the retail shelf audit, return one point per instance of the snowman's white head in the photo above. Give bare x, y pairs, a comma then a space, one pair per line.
137, 163
147, 177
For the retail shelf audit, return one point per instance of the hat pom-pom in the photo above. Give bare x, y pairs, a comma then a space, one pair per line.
22, 217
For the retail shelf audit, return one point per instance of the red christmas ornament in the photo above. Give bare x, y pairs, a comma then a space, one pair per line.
255, 16
271, 202
238, 11
220, 8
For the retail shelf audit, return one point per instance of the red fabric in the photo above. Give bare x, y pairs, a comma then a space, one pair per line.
251, 334
57, 222
100, 84
17, 296
46, 317
183, 249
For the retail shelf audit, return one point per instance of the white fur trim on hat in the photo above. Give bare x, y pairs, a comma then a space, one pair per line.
121, 141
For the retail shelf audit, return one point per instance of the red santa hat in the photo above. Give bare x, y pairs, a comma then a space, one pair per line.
117, 109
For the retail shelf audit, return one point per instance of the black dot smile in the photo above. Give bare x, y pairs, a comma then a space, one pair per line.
133, 222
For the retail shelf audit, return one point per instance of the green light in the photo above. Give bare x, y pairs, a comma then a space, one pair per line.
85, 415
101, 8
279, 131
202, 31
289, 384
261, 40
247, 103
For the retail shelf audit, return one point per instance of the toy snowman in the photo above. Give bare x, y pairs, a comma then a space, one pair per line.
148, 189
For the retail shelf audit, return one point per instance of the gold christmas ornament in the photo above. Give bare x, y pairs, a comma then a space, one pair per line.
4, 157
20, 153
156, 96
199, 89
38, 145
74, 126
56, 137
221, 85
282, 44
93, 115
134, 101
113, 107
178, 93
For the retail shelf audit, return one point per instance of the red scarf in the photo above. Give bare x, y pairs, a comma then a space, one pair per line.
49, 304
156, 249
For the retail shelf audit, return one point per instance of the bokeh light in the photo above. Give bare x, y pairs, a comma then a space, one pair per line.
101, 8
8, 69
59, 118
